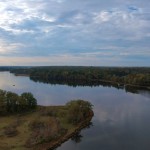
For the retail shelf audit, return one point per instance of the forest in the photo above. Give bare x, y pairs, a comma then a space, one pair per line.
11, 103
138, 76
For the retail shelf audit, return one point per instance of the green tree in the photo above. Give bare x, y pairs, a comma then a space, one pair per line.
30, 100
11, 102
78, 110
2, 102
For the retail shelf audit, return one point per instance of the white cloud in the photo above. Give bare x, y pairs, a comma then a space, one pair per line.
9, 48
58, 1
60, 59
122, 24
103, 16
90, 28
86, 59
18, 11
47, 18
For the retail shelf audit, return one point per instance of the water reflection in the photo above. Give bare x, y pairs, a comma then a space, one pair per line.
90, 83
77, 138
121, 118
145, 93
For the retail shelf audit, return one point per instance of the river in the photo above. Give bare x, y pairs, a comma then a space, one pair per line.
121, 119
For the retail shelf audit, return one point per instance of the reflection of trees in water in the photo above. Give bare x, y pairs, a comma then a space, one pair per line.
137, 90
145, 93
131, 89
89, 125
75, 83
77, 138
91, 83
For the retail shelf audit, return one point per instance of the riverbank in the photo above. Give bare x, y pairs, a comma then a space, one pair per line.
45, 128
124, 85
74, 131
92, 76
96, 81
24, 75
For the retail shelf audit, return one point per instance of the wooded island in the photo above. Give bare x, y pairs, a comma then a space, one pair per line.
76, 75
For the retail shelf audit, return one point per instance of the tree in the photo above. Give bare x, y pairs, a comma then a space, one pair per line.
2, 102
78, 110
11, 102
30, 100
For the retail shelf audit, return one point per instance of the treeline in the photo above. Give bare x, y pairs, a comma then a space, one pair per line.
5, 68
89, 75
10, 68
13, 103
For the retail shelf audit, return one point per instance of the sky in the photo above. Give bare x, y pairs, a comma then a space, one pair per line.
75, 32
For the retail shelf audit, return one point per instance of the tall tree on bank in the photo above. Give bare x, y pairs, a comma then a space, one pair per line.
13, 103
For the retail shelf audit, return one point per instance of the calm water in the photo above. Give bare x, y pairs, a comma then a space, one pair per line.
121, 121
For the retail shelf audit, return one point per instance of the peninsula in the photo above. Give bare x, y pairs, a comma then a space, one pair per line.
26, 125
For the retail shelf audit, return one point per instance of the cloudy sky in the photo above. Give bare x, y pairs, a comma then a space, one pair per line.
75, 32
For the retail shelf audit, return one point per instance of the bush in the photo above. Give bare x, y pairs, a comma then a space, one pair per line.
78, 110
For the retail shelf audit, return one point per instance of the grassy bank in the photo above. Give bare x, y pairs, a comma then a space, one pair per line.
43, 128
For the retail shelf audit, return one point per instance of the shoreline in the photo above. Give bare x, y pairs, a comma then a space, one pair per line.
24, 75
119, 84
56, 143
125, 84
40, 129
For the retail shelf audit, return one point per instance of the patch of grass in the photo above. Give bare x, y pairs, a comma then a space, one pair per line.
21, 132
45, 124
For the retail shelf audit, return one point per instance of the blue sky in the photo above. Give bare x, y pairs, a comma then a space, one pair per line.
75, 32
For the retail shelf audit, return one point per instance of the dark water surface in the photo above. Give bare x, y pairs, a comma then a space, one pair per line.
121, 121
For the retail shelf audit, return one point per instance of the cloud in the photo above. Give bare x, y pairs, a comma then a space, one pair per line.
122, 24
63, 59
55, 27
80, 59
9, 48
15, 13
103, 16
